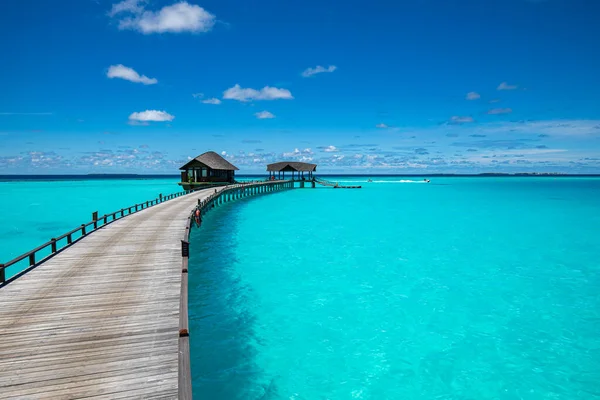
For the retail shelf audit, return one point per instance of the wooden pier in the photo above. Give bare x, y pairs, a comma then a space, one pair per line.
106, 316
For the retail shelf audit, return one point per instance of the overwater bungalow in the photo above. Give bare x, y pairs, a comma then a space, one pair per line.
298, 169
207, 169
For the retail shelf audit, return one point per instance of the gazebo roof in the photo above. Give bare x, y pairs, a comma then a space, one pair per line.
291, 166
213, 161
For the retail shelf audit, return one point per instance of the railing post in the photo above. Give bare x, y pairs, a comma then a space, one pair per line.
147, 204
69, 239
105, 219
185, 248
32, 259
2, 274
53, 245
136, 206
160, 197
82, 229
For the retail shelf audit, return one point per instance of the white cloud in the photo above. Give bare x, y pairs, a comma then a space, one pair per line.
330, 149
264, 115
295, 153
317, 70
176, 18
197, 95
212, 101
473, 96
151, 116
122, 72
500, 111
126, 6
506, 86
223, 153
381, 126
247, 94
461, 120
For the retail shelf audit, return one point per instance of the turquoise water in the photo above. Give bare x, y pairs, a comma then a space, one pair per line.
33, 212
464, 288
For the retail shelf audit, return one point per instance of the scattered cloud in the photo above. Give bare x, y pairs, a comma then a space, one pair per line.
318, 70
506, 86
421, 151
381, 126
543, 135
264, 115
461, 120
554, 128
494, 101
473, 96
214, 100
151, 116
126, 6
330, 149
508, 144
197, 95
300, 155
247, 94
176, 18
495, 111
122, 72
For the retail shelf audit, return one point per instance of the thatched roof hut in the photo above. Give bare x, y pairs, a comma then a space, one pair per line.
208, 167
280, 168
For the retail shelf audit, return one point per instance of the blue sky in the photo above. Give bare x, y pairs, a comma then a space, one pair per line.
416, 86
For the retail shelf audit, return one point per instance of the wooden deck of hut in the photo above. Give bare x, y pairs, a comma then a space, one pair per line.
302, 172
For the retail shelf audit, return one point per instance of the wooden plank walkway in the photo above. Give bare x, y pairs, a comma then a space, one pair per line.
101, 318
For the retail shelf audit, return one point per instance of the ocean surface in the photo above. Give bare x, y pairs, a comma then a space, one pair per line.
462, 288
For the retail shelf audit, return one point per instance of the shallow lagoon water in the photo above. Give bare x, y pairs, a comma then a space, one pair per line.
464, 288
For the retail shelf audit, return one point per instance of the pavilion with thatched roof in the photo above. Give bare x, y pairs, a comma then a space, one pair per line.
207, 168
298, 169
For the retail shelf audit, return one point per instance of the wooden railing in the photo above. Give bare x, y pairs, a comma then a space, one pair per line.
59, 243
241, 189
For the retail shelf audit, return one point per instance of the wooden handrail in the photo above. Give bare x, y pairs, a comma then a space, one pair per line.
97, 224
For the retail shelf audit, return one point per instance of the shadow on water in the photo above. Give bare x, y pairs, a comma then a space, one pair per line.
223, 340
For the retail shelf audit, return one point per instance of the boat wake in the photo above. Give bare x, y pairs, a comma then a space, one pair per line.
398, 181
